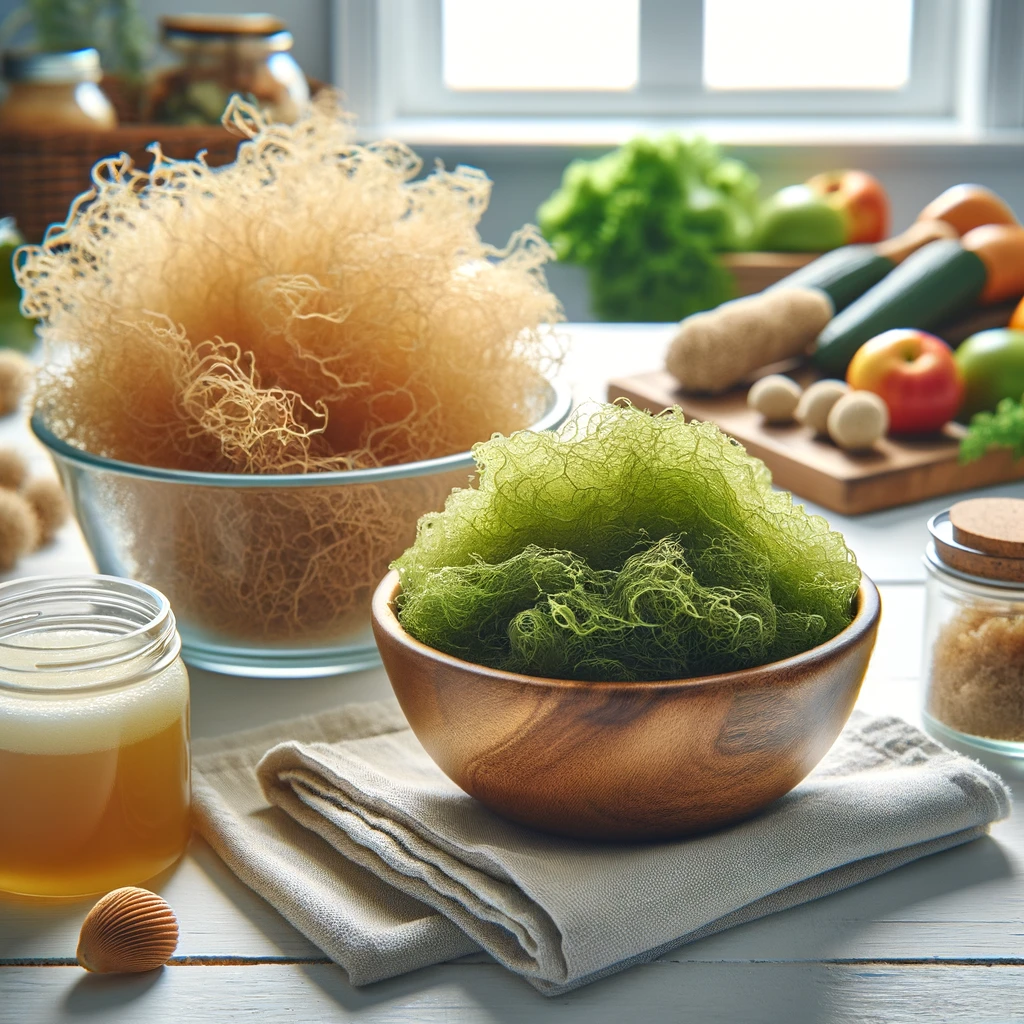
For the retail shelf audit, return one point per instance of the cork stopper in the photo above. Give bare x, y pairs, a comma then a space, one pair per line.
992, 525
983, 537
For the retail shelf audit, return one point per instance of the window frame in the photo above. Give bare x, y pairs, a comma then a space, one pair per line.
387, 59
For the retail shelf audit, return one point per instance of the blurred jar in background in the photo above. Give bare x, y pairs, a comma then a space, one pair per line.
48, 91
221, 54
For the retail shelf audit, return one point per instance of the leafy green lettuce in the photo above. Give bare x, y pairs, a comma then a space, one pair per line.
647, 220
1003, 428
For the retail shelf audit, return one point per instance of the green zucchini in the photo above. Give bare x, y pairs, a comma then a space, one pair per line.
843, 274
938, 281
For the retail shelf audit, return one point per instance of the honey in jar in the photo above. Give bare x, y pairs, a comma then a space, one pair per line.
94, 736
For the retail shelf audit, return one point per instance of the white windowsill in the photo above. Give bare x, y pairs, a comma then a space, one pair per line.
547, 133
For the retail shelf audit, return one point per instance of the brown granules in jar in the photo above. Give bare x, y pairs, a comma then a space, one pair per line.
977, 676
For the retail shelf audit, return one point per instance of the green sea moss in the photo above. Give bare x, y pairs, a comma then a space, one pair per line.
625, 546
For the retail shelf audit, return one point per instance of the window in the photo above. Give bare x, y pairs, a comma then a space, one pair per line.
808, 44
420, 59
585, 45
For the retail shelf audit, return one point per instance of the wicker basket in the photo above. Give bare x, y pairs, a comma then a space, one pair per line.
41, 172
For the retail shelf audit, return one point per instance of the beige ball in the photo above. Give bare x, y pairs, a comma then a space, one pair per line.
816, 403
15, 376
775, 397
19, 529
12, 469
49, 503
858, 420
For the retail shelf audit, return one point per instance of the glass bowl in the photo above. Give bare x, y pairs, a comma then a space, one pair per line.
268, 576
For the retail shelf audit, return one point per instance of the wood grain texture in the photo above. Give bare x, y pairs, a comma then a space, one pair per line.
217, 916
896, 472
626, 760
966, 902
864, 992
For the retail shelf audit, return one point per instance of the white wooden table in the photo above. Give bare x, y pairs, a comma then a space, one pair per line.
941, 940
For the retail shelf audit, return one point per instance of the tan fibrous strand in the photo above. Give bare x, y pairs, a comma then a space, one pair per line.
315, 306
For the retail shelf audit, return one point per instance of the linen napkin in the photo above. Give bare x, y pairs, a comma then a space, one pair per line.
385, 864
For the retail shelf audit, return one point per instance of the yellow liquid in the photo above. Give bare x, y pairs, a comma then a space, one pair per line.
94, 790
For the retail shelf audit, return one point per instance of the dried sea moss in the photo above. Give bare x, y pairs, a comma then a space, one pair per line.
317, 305
282, 564
626, 546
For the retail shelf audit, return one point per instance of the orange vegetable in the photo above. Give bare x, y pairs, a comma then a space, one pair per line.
1017, 319
968, 206
1001, 248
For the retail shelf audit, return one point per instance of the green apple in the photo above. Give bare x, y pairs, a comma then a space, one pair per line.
10, 239
798, 219
15, 330
992, 365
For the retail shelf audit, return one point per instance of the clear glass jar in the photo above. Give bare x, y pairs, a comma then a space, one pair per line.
55, 91
94, 735
973, 653
224, 54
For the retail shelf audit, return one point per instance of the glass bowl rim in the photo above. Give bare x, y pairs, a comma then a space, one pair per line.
559, 405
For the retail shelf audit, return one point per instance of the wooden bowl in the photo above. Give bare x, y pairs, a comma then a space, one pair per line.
625, 760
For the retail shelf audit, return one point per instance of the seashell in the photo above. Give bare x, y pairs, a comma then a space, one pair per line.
129, 930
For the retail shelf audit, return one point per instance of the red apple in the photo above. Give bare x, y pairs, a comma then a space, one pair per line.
916, 376
859, 196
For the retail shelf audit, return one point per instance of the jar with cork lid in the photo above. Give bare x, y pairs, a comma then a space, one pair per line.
974, 627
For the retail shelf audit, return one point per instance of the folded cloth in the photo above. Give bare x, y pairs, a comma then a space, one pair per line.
369, 927
385, 837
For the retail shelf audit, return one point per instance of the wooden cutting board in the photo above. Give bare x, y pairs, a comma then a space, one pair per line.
897, 472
